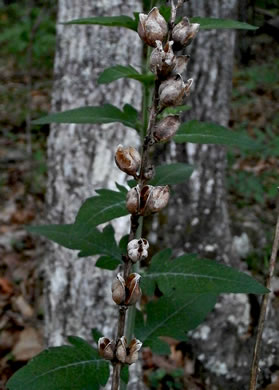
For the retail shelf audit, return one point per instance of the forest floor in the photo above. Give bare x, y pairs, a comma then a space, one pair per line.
252, 180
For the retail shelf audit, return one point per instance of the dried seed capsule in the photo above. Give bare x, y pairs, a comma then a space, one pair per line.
138, 249
132, 351
118, 290
183, 33
121, 349
127, 159
162, 60
133, 289
181, 64
106, 348
145, 195
172, 91
158, 200
166, 128
152, 27
133, 200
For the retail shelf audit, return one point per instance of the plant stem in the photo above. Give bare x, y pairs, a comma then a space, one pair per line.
264, 305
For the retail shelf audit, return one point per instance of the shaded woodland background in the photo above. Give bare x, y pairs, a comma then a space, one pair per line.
27, 45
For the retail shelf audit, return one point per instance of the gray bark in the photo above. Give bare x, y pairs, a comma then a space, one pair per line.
81, 159
197, 220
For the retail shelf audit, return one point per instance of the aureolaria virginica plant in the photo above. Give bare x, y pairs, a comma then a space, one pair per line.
188, 285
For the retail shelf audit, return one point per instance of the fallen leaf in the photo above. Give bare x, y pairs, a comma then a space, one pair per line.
28, 345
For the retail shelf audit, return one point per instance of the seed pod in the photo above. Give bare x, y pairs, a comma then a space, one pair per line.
145, 195
121, 349
118, 290
133, 289
181, 64
183, 33
127, 159
158, 200
166, 128
152, 27
138, 249
172, 91
106, 348
132, 351
162, 60
133, 200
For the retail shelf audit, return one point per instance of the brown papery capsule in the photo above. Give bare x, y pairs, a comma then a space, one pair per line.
138, 249
127, 159
118, 290
166, 128
181, 64
162, 60
183, 33
152, 27
132, 351
145, 195
134, 290
106, 348
133, 200
121, 349
171, 91
159, 199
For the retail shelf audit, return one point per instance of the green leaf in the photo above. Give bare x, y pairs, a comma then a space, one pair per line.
106, 262
88, 241
172, 174
173, 317
104, 207
96, 335
109, 21
91, 115
189, 274
124, 374
210, 133
215, 23
118, 72
77, 366
176, 110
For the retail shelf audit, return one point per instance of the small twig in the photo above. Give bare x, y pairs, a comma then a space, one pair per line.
264, 305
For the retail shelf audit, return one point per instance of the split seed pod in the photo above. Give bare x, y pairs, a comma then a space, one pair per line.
162, 60
183, 33
172, 91
138, 249
158, 200
132, 351
152, 27
121, 349
166, 128
127, 159
133, 289
181, 64
133, 200
118, 290
106, 348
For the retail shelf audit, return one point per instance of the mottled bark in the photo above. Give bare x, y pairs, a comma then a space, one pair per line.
81, 159
197, 219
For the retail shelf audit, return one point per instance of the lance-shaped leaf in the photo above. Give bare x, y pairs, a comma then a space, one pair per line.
171, 174
109, 21
102, 208
215, 23
89, 243
93, 115
189, 274
119, 71
173, 317
77, 366
209, 133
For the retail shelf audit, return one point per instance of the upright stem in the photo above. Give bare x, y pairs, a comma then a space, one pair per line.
264, 305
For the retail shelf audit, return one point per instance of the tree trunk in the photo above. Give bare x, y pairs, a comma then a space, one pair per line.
197, 219
81, 159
